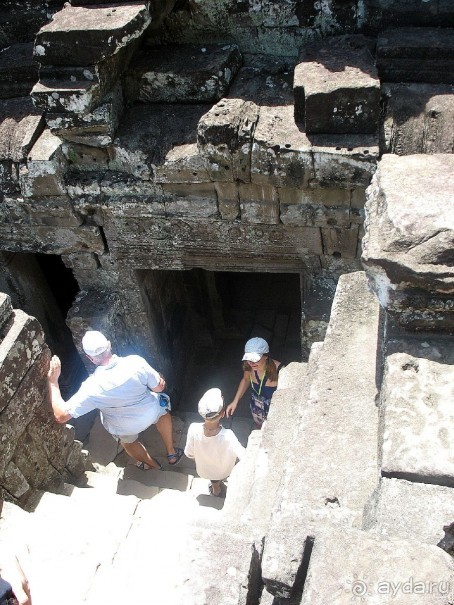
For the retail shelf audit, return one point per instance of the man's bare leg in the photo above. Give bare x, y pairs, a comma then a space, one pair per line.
138, 451
164, 426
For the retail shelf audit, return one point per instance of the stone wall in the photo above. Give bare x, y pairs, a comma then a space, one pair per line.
36, 453
249, 152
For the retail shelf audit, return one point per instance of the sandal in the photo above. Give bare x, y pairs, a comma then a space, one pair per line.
146, 467
176, 457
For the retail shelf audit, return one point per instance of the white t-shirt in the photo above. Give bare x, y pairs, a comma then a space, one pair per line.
214, 456
121, 391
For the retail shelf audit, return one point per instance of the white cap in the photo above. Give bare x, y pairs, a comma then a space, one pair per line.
94, 343
254, 349
211, 403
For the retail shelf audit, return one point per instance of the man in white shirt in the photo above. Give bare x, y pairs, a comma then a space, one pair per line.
124, 389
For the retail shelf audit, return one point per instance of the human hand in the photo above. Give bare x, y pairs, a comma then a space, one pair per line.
11, 571
230, 409
54, 370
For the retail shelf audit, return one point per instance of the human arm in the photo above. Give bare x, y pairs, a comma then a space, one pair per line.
56, 400
241, 390
11, 571
189, 447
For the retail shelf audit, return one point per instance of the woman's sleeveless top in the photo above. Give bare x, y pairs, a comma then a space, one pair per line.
261, 398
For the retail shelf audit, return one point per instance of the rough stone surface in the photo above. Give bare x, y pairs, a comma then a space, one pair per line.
416, 417
96, 33
416, 54
330, 489
20, 126
344, 161
281, 153
224, 138
148, 132
409, 511
44, 172
336, 87
96, 127
315, 207
419, 118
183, 74
407, 249
358, 565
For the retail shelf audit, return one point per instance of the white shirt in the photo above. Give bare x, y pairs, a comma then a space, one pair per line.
121, 391
214, 456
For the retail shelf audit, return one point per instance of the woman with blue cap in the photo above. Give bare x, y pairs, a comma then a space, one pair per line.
260, 372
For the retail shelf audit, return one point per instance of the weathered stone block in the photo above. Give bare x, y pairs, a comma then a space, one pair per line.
406, 510
183, 73
28, 396
259, 204
56, 439
14, 481
315, 207
416, 54
87, 35
44, 173
281, 153
31, 457
228, 200
50, 239
344, 161
79, 90
96, 127
419, 118
184, 243
417, 419
196, 200
336, 87
19, 349
407, 248
20, 126
85, 158
182, 164
356, 564
343, 242
224, 138
55, 211
6, 312
148, 132
18, 70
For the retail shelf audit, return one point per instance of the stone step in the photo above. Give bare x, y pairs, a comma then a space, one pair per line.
336, 87
18, 70
255, 481
332, 466
79, 35
416, 54
172, 561
348, 565
182, 74
409, 511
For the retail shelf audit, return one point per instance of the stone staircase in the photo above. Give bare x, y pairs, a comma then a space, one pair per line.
312, 515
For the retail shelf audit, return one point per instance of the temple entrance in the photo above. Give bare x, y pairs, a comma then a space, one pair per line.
202, 319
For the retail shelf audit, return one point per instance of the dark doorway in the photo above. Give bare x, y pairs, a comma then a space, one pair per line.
231, 308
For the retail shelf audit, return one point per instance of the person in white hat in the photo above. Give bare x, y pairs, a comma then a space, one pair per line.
260, 372
214, 448
126, 391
